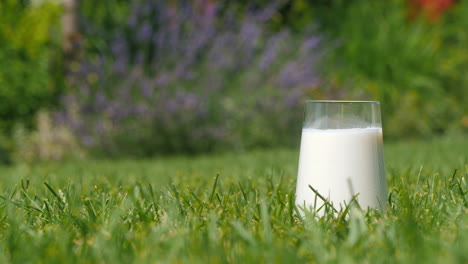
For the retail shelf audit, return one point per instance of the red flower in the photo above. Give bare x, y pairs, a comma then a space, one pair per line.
432, 9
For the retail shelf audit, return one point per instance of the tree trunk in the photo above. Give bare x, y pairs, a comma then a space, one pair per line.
71, 36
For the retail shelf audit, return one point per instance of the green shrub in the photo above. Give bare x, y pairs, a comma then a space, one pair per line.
454, 43
413, 67
26, 49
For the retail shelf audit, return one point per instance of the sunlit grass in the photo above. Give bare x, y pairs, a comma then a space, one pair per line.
230, 207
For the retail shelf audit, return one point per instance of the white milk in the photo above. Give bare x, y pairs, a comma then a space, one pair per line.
340, 163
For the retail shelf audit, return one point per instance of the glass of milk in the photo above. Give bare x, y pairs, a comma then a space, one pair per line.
341, 156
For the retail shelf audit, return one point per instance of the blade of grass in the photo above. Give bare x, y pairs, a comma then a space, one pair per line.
323, 199
214, 187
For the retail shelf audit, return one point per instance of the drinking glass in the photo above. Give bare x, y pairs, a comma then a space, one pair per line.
341, 156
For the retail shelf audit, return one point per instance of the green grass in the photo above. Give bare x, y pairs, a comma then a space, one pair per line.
179, 210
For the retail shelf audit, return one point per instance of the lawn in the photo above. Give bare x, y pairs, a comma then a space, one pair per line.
230, 208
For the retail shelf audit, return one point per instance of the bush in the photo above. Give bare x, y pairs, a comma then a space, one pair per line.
186, 78
454, 59
412, 66
100, 21
26, 43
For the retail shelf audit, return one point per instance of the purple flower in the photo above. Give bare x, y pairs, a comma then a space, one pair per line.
87, 140
120, 65
119, 46
269, 56
146, 89
171, 106
144, 32
100, 99
310, 44
186, 70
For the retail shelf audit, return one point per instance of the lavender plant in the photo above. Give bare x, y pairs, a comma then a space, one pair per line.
186, 77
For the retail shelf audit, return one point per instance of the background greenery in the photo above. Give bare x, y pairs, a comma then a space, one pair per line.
356, 51
411, 65
29, 46
29, 51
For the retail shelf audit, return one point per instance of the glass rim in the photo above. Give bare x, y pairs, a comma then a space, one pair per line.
341, 101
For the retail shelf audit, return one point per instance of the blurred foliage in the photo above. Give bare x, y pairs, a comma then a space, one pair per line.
294, 14
413, 66
99, 20
171, 80
49, 142
379, 50
102, 19
27, 45
177, 63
